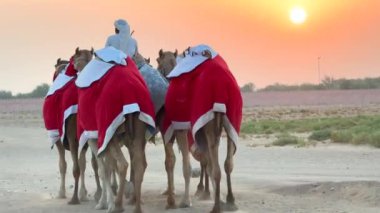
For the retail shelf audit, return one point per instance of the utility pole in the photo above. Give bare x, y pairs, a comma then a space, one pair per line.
319, 70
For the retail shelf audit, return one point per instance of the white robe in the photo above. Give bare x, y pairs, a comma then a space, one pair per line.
123, 42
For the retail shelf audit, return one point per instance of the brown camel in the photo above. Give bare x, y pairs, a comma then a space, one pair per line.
70, 143
80, 59
131, 131
170, 159
210, 133
59, 66
166, 63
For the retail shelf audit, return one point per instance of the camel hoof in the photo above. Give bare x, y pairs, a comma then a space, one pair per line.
171, 206
185, 204
74, 201
229, 207
111, 208
118, 209
215, 210
205, 196
138, 210
167, 192
97, 195
101, 206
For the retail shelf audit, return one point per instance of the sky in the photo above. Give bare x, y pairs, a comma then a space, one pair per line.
255, 37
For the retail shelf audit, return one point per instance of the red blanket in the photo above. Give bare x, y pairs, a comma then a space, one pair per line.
50, 111
70, 71
123, 91
58, 106
69, 105
193, 98
87, 128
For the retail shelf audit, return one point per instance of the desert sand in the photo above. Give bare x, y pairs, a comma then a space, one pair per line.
322, 178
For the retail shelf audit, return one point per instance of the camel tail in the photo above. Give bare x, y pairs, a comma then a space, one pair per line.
218, 123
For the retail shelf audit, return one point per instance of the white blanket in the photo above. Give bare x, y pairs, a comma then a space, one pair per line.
60, 81
92, 72
192, 59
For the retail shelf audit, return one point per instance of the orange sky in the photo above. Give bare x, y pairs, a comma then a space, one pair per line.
255, 37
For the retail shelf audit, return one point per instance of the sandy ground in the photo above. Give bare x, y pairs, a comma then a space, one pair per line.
321, 178
327, 178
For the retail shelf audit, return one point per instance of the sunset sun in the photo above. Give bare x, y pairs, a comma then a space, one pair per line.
297, 15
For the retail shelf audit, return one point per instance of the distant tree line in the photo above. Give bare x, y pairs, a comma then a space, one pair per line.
39, 92
249, 87
328, 83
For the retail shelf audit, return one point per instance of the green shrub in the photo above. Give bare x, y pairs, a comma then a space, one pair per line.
286, 139
320, 135
375, 139
341, 136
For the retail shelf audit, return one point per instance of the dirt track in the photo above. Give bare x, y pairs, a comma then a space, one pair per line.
317, 179
325, 178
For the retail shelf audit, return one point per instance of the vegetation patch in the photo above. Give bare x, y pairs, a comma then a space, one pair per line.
356, 130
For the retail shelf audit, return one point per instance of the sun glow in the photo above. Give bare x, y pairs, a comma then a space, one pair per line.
297, 15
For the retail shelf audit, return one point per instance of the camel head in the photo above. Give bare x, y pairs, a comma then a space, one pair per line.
138, 59
81, 58
59, 66
166, 61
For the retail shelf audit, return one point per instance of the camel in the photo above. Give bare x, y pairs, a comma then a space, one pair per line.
166, 63
62, 98
129, 126
80, 59
211, 131
169, 151
60, 66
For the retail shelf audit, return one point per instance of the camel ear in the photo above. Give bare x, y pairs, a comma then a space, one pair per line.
161, 53
176, 53
59, 60
147, 60
77, 51
92, 51
207, 54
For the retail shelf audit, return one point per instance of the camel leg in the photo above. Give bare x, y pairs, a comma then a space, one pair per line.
102, 202
82, 167
122, 166
200, 187
228, 167
139, 160
169, 167
113, 179
129, 185
213, 146
62, 169
169, 160
186, 167
73, 143
206, 193
108, 169
95, 167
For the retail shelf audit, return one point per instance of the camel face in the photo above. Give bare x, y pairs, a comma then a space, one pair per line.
81, 58
138, 58
60, 62
59, 66
166, 61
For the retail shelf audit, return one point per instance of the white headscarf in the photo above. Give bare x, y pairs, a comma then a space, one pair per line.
123, 40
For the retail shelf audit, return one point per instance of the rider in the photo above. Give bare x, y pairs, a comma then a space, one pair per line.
122, 39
